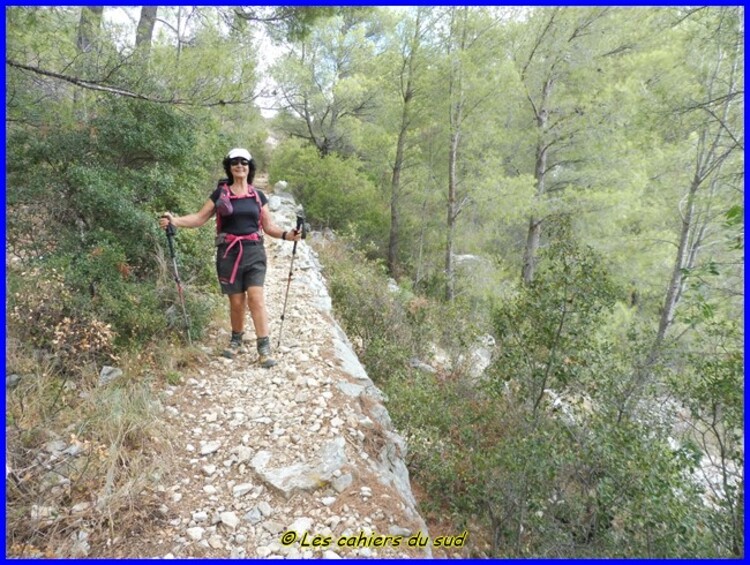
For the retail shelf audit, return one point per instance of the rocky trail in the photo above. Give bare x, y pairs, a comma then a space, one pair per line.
300, 460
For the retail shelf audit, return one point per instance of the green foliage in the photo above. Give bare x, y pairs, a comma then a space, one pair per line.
135, 135
637, 487
546, 333
601, 484
442, 422
711, 386
374, 317
93, 194
390, 326
578, 483
333, 191
631, 106
285, 22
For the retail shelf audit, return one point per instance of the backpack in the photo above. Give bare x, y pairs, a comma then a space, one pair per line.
224, 203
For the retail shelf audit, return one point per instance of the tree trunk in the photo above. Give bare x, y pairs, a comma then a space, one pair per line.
540, 172
145, 32
88, 27
408, 93
420, 247
393, 235
457, 99
450, 292
711, 156
678, 271
532, 245
712, 152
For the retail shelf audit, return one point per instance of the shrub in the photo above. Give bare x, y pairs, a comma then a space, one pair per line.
595, 481
387, 327
93, 245
547, 331
334, 191
55, 326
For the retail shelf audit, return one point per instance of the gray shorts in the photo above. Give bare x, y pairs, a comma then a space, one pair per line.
251, 270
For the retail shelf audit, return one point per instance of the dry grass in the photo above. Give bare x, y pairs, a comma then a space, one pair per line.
81, 465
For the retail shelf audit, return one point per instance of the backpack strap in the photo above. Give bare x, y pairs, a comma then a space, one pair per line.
224, 187
251, 193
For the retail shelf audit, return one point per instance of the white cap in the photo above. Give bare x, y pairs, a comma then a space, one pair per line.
239, 152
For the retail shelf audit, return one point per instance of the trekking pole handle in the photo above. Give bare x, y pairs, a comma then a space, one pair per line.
302, 226
171, 232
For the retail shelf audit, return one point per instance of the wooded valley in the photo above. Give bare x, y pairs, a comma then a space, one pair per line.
567, 183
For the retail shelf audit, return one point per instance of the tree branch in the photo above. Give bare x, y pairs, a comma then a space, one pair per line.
91, 85
539, 39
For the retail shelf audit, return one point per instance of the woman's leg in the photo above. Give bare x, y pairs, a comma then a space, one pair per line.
237, 312
257, 305
237, 321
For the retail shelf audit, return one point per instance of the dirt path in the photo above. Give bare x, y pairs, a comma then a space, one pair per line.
304, 447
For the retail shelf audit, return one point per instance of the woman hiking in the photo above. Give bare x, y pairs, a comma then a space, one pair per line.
242, 219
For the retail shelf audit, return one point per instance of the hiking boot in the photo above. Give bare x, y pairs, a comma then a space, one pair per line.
264, 353
235, 346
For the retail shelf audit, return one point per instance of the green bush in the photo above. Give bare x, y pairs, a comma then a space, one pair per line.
437, 413
712, 388
387, 327
98, 308
334, 191
618, 488
546, 333
97, 242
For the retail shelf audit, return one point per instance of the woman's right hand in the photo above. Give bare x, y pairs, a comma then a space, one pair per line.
166, 219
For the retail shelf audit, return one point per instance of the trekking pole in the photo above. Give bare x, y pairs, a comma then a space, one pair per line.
300, 226
170, 239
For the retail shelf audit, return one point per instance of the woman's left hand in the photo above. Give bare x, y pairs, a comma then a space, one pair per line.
166, 219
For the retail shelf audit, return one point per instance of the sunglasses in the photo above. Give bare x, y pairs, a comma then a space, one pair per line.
239, 161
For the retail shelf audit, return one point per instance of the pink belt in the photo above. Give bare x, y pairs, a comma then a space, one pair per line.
232, 240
